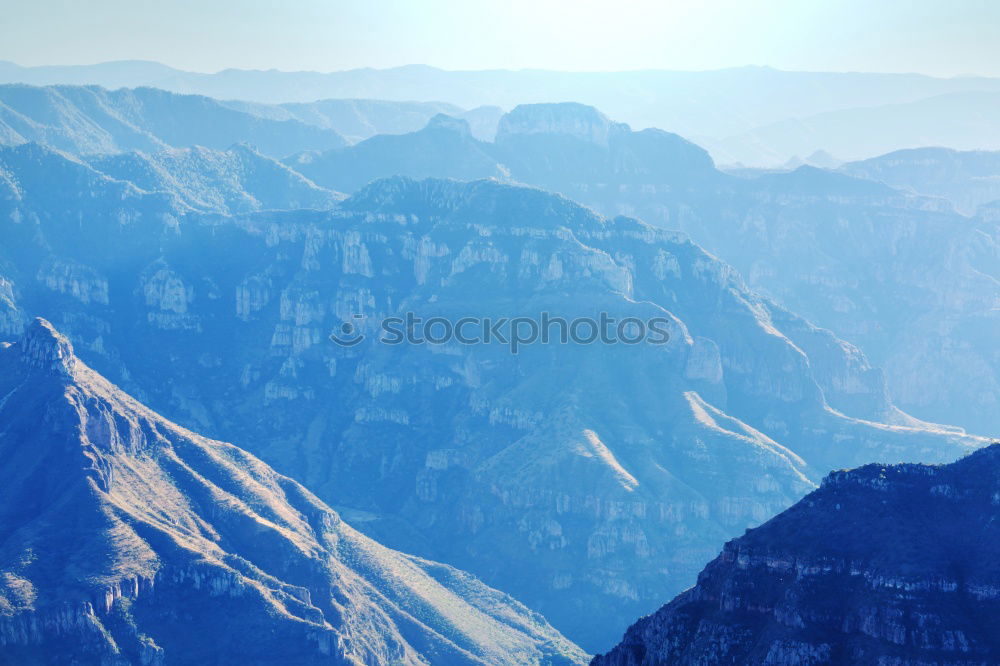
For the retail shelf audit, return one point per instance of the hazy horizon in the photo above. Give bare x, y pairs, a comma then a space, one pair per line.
920, 37
492, 69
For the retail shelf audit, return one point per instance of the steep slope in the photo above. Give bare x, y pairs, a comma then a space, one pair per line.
237, 180
966, 178
590, 481
887, 565
125, 538
89, 119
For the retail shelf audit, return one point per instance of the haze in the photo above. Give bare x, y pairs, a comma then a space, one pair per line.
937, 38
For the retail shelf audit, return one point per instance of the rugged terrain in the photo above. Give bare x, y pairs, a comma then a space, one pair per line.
519, 468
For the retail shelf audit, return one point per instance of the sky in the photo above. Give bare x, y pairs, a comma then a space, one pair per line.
937, 37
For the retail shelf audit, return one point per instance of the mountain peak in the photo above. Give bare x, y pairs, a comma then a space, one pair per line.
43, 347
567, 119
450, 123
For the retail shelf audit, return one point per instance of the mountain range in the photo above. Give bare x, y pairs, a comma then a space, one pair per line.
517, 468
880, 565
758, 115
870, 131
589, 481
90, 119
837, 249
125, 538
360, 119
968, 179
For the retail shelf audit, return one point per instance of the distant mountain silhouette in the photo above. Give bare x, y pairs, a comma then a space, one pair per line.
90, 119
968, 120
707, 106
968, 179
359, 119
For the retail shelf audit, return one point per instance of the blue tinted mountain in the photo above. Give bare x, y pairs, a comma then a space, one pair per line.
127, 539
897, 274
445, 148
237, 180
589, 481
967, 179
881, 565
360, 119
90, 119
858, 133
550, 145
716, 104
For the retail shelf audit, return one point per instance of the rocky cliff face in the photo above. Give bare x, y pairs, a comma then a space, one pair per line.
901, 276
126, 539
881, 565
590, 481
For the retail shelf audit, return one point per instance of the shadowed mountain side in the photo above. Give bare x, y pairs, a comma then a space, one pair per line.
888, 565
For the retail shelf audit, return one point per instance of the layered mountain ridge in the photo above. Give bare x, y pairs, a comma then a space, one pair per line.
521, 471
127, 539
969, 179
902, 276
90, 119
759, 115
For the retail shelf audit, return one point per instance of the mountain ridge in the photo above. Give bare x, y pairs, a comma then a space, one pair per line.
131, 531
